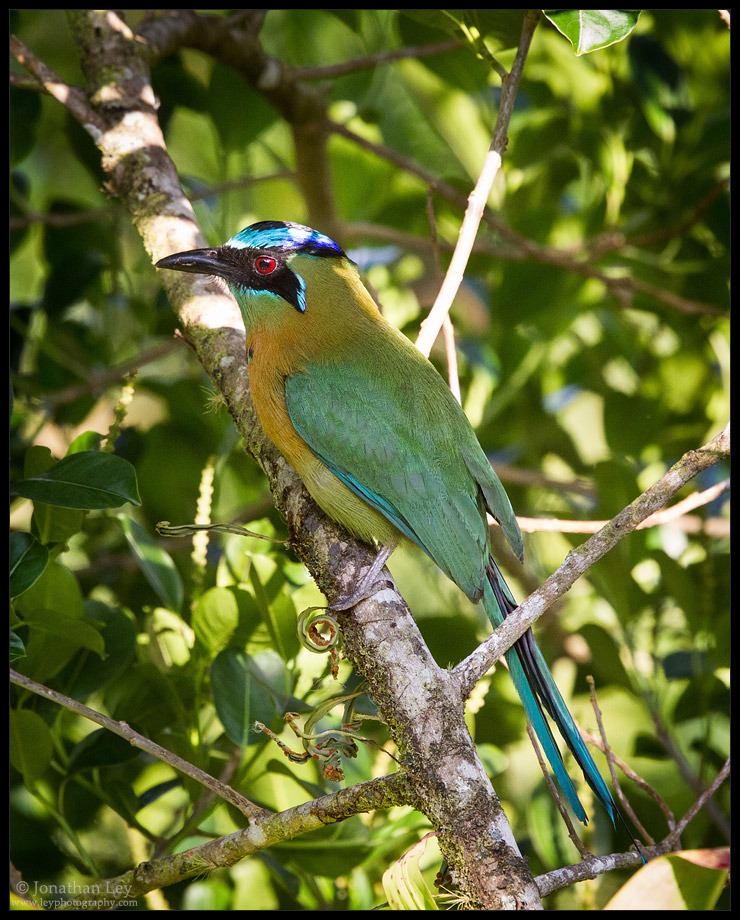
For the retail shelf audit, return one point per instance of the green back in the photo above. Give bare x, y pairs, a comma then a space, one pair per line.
385, 422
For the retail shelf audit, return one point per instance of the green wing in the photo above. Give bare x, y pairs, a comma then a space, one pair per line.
394, 434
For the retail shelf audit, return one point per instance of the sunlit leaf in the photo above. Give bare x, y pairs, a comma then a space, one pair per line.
589, 30
30, 746
688, 880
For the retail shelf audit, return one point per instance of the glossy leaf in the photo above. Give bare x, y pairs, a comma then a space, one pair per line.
92, 671
589, 30
241, 697
215, 617
17, 649
28, 559
87, 480
156, 564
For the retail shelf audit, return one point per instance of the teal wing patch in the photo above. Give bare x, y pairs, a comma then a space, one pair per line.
400, 441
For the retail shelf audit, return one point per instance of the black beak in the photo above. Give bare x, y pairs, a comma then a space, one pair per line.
197, 261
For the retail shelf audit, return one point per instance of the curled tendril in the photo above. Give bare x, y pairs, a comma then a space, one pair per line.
325, 747
310, 622
165, 529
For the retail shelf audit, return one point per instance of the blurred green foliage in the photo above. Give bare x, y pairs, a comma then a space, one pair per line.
619, 160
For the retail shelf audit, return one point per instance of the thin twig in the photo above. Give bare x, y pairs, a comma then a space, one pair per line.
692, 781
701, 801
97, 382
664, 516
73, 99
581, 559
572, 832
125, 731
374, 60
479, 196
591, 868
448, 330
610, 759
638, 780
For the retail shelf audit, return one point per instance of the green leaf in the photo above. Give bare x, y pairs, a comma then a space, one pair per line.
17, 648
123, 800
589, 30
28, 559
688, 880
30, 744
208, 894
666, 102
229, 95
170, 638
241, 696
279, 615
503, 28
215, 617
50, 523
53, 611
53, 639
57, 590
87, 480
155, 563
55, 525
101, 748
37, 459
88, 440
25, 110
119, 636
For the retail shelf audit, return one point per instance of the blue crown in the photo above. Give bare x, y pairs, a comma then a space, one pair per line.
283, 235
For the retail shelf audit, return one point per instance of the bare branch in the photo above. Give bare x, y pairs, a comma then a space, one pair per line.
72, 99
675, 514
479, 196
596, 865
383, 792
330, 71
123, 730
610, 759
620, 285
581, 559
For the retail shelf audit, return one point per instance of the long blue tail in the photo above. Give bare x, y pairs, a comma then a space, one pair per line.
537, 690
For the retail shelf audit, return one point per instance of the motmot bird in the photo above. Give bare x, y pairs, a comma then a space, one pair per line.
377, 437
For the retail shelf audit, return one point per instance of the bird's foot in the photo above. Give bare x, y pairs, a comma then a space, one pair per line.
370, 583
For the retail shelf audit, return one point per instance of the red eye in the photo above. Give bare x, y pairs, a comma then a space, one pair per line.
265, 265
